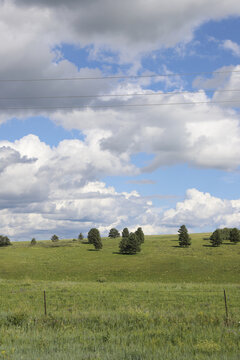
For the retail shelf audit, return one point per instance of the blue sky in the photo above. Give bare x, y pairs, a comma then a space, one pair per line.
66, 170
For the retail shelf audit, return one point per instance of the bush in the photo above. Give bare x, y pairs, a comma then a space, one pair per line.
129, 245
95, 238
33, 241
183, 237
113, 233
125, 233
234, 236
54, 238
140, 235
216, 238
80, 236
4, 241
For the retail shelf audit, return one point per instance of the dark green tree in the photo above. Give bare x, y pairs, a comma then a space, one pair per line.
33, 241
54, 238
140, 235
95, 238
113, 233
216, 238
80, 236
129, 245
183, 237
4, 241
234, 236
225, 233
125, 233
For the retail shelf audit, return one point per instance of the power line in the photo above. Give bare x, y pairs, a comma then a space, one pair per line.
120, 76
119, 105
117, 95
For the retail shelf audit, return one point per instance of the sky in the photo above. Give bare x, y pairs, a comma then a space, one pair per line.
92, 136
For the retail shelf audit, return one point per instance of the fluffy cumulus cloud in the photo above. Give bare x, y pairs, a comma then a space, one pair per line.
44, 189
202, 134
200, 210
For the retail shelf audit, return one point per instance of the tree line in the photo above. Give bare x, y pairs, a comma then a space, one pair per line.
216, 238
130, 243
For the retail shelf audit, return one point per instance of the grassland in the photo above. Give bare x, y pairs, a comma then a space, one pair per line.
160, 260
164, 303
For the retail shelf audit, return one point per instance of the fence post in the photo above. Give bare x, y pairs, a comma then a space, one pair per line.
226, 308
45, 302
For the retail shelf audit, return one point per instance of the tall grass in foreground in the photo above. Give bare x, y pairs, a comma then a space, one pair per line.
118, 321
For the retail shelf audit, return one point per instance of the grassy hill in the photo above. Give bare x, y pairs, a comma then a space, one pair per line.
160, 260
163, 303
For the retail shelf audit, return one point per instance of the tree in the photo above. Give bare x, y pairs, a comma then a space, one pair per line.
95, 238
183, 237
225, 233
113, 233
129, 245
54, 238
216, 238
140, 235
33, 241
4, 241
125, 233
234, 236
80, 236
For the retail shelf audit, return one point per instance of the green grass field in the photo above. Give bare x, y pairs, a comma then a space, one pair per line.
163, 303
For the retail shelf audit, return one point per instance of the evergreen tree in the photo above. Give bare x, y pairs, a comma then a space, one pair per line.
129, 245
125, 233
216, 238
183, 237
113, 233
225, 233
80, 236
90, 235
4, 241
33, 241
54, 238
140, 235
234, 236
95, 238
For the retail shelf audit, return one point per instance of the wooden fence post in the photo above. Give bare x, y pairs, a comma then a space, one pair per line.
45, 302
226, 308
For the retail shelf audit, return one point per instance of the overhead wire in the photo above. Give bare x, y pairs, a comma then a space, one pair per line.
120, 76
119, 105
116, 95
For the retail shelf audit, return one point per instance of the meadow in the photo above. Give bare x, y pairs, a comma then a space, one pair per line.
163, 303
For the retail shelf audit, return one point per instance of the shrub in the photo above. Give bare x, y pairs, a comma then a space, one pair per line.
234, 236
54, 238
33, 241
95, 238
125, 233
80, 236
4, 241
216, 238
183, 237
129, 245
113, 233
140, 235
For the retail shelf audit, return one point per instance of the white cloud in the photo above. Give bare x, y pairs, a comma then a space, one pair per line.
136, 25
202, 210
232, 46
202, 135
